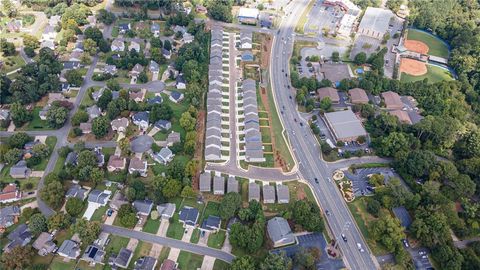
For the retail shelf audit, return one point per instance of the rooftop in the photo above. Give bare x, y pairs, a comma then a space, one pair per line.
345, 124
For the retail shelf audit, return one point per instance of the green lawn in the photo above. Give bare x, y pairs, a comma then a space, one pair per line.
59, 264
436, 46
434, 74
50, 142
98, 214
195, 236
175, 229
142, 249
210, 210
12, 62
37, 123
151, 226
163, 254
220, 265
116, 243
187, 260
215, 240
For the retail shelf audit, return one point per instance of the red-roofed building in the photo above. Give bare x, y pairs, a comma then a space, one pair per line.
10, 193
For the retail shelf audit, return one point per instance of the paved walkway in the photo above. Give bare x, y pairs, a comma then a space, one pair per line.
173, 255
208, 263
186, 236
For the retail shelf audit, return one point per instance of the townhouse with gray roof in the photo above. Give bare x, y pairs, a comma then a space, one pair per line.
268, 194
251, 123
218, 185
205, 184
253, 192
283, 194
232, 184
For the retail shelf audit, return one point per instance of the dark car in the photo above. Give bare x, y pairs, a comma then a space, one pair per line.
316, 180
295, 120
290, 97
344, 238
301, 124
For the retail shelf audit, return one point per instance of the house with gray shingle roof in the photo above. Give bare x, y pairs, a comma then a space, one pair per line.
20, 170
280, 232
211, 224
93, 112
166, 210
69, 249
164, 156
232, 184
283, 194
154, 67
8, 216
205, 182
188, 216
253, 192
268, 194
123, 258
218, 185
138, 165
143, 207
94, 254
99, 197
76, 191
120, 124
44, 244
155, 29
145, 263
19, 237
141, 119
163, 124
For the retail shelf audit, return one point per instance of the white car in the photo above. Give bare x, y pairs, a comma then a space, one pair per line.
360, 247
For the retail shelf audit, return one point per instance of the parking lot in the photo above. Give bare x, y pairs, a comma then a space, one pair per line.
321, 17
364, 44
420, 258
359, 179
313, 240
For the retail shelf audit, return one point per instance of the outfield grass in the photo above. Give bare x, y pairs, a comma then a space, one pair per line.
434, 74
187, 260
436, 46
215, 240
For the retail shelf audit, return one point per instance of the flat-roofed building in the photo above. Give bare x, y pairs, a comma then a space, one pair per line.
358, 96
344, 125
253, 192
392, 100
329, 92
375, 22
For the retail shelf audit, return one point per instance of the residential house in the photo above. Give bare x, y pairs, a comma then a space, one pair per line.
48, 43
188, 38
14, 25
265, 19
280, 232
20, 170
4, 115
253, 192
76, 191
328, 92
123, 258
10, 193
86, 128
134, 46
181, 29
65, 87
200, 9
97, 94
29, 145
54, 20
98, 197
136, 70
120, 124
164, 156
166, 53
205, 182
69, 249
93, 112
118, 200
78, 47
141, 119
283, 194
163, 124
154, 67
124, 27
245, 40
100, 156
71, 159
8, 216
168, 265
110, 69
218, 185
211, 224
141, 25
176, 96
166, 210
268, 194
49, 33
116, 163
138, 96
145, 263
75, 56
358, 96
392, 100
188, 216
92, 20
68, 65
180, 82
155, 100
44, 244
118, 45
232, 184
138, 165
143, 207
155, 29
19, 237
173, 138
94, 254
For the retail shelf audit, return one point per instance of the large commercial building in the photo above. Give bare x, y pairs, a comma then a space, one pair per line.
375, 22
345, 126
248, 15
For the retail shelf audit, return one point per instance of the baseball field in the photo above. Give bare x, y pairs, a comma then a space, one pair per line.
435, 46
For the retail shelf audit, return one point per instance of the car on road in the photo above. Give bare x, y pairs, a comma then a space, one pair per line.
327, 212
290, 97
344, 238
359, 246
295, 120
422, 252
316, 180
301, 124
405, 242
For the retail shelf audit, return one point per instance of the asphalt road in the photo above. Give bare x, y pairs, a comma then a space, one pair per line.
306, 148
169, 242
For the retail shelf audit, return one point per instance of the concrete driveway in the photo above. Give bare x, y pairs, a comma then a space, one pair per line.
208, 263
203, 239
173, 255
186, 236
110, 219
162, 230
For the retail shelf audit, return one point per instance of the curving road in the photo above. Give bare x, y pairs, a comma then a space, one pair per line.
306, 149
169, 242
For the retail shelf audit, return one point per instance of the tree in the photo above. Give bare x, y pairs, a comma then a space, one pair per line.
38, 224
100, 126
80, 116
448, 257
12, 156
106, 97
58, 221
9, 8
136, 191
19, 115
243, 263
376, 180
304, 259
167, 45
90, 46
468, 146
74, 206
142, 77
30, 41
18, 140
188, 192
335, 56
360, 58
41, 150
113, 85
97, 175
18, 258
154, 215
388, 231
430, 227
220, 10
393, 143
8, 48
306, 213
326, 104
373, 207
88, 231
171, 188
74, 77
105, 16
230, 204
187, 121
94, 34
53, 194
57, 116
127, 216
86, 158
124, 145
276, 262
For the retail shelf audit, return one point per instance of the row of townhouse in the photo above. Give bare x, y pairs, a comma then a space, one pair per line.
217, 127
